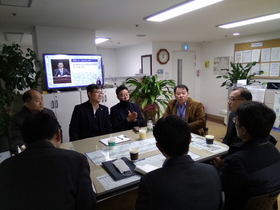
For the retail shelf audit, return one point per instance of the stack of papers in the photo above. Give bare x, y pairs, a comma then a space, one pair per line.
119, 139
145, 168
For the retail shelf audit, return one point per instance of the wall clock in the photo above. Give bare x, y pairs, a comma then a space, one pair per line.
163, 56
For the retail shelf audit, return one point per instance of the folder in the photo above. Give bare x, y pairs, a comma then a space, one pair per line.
114, 172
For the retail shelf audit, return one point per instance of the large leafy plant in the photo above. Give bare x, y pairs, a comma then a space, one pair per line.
150, 93
17, 72
239, 72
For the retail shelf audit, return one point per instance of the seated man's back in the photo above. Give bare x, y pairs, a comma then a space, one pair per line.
181, 183
43, 176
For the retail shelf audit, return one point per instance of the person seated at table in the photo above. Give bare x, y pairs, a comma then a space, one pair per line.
237, 96
44, 176
33, 105
187, 108
125, 115
90, 119
181, 183
252, 167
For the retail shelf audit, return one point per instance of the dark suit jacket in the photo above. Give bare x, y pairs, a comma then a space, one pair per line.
180, 184
15, 137
252, 168
45, 177
231, 135
118, 118
81, 125
58, 73
195, 115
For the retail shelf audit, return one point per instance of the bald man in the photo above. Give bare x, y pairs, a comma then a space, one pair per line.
33, 105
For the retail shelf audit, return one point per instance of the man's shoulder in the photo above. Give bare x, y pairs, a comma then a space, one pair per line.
103, 106
193, 102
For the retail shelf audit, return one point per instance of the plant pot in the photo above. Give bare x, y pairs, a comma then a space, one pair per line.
150, 114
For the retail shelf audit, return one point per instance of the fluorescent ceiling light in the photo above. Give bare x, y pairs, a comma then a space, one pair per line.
180, 9
236, 34
250, 21
100, 40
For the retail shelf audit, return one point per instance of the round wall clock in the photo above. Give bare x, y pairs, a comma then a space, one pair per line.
163, 56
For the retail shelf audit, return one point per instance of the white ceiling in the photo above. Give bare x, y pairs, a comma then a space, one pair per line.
117, 19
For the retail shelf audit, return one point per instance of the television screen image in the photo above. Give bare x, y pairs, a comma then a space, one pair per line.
73, 70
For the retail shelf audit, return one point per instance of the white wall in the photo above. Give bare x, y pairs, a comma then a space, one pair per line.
109, 60
212, 95
129, 59
63, 40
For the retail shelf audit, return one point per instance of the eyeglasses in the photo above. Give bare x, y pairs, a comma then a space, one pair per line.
97, 92
235, 99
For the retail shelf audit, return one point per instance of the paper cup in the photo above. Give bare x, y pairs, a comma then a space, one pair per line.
142, 134
134, 154
209, 139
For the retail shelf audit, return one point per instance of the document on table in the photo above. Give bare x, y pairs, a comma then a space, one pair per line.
119, 139
122, 150
108, 183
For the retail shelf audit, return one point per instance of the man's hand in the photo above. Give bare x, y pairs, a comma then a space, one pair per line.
131, 117
217, 162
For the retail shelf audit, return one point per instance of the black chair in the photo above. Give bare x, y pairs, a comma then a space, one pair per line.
4, 143
272, 139
262, 202
205, 129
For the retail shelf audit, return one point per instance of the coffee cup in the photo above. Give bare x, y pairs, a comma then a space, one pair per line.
209, 139
142, 134
111, 142
134, 154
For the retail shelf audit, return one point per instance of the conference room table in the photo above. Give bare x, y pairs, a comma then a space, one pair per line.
97, 152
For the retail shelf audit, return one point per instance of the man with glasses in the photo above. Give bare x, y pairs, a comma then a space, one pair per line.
252, 167
90, 119
187, 108
125, 115
237, 96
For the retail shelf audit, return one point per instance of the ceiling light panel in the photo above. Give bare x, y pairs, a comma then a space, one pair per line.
180, 9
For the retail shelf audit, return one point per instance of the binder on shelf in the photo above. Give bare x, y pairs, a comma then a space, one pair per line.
114, 172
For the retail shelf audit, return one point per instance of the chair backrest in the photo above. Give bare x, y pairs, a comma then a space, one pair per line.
272, 139
263, 202
205, 129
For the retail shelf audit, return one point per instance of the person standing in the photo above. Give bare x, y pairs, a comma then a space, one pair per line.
44, 176
187, 108
125, 115
33, 105
61, 71
90, 119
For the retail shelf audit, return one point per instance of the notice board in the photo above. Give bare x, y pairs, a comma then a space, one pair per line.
265, 53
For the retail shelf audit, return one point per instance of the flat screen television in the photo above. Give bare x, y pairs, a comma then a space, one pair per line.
73, 70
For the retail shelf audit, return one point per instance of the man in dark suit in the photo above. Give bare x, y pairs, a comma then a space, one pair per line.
60, 71
237, 96
181, 183
90, 119
33, 105
187, 108
125, 115
252, 167
44, 176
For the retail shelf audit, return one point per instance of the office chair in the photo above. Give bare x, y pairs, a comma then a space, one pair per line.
4, 143
272, 139
205, 129
262, 202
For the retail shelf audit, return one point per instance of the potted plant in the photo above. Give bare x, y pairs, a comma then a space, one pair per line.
238, 72
151, 94
17, 72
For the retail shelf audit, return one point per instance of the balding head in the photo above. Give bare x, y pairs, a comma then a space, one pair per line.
33, 100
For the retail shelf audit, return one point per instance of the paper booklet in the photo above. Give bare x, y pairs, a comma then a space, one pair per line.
145, 168
119, 139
